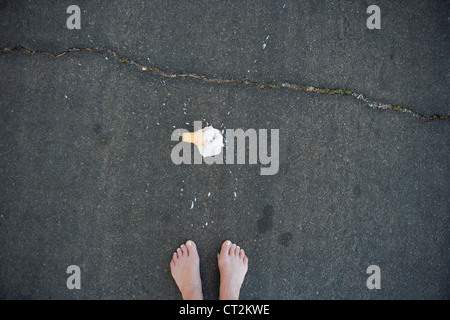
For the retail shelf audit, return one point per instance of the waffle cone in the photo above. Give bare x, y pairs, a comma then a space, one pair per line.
193, 137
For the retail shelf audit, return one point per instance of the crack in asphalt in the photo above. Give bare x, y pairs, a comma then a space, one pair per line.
238, 81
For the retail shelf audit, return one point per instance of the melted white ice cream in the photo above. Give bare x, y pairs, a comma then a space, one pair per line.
212, 142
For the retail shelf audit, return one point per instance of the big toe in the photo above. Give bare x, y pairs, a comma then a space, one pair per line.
226, 246
191, 248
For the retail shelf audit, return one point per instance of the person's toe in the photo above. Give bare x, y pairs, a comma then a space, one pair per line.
173, 261
233, 250
179, 253
191, 248
241, 254
226, 245
184, 250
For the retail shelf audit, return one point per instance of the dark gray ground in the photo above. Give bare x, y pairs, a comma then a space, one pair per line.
88, 179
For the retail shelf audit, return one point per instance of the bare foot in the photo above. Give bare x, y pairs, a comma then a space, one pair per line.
185, 269
233, 265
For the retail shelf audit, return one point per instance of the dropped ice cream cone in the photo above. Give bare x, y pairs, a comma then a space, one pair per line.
193, 137
208, 140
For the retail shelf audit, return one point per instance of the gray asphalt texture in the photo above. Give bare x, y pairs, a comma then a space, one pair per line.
86, 176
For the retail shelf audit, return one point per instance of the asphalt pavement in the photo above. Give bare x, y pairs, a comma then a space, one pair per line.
87, 178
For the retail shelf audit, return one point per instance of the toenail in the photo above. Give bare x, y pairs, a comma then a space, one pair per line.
228, 242
189, 243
